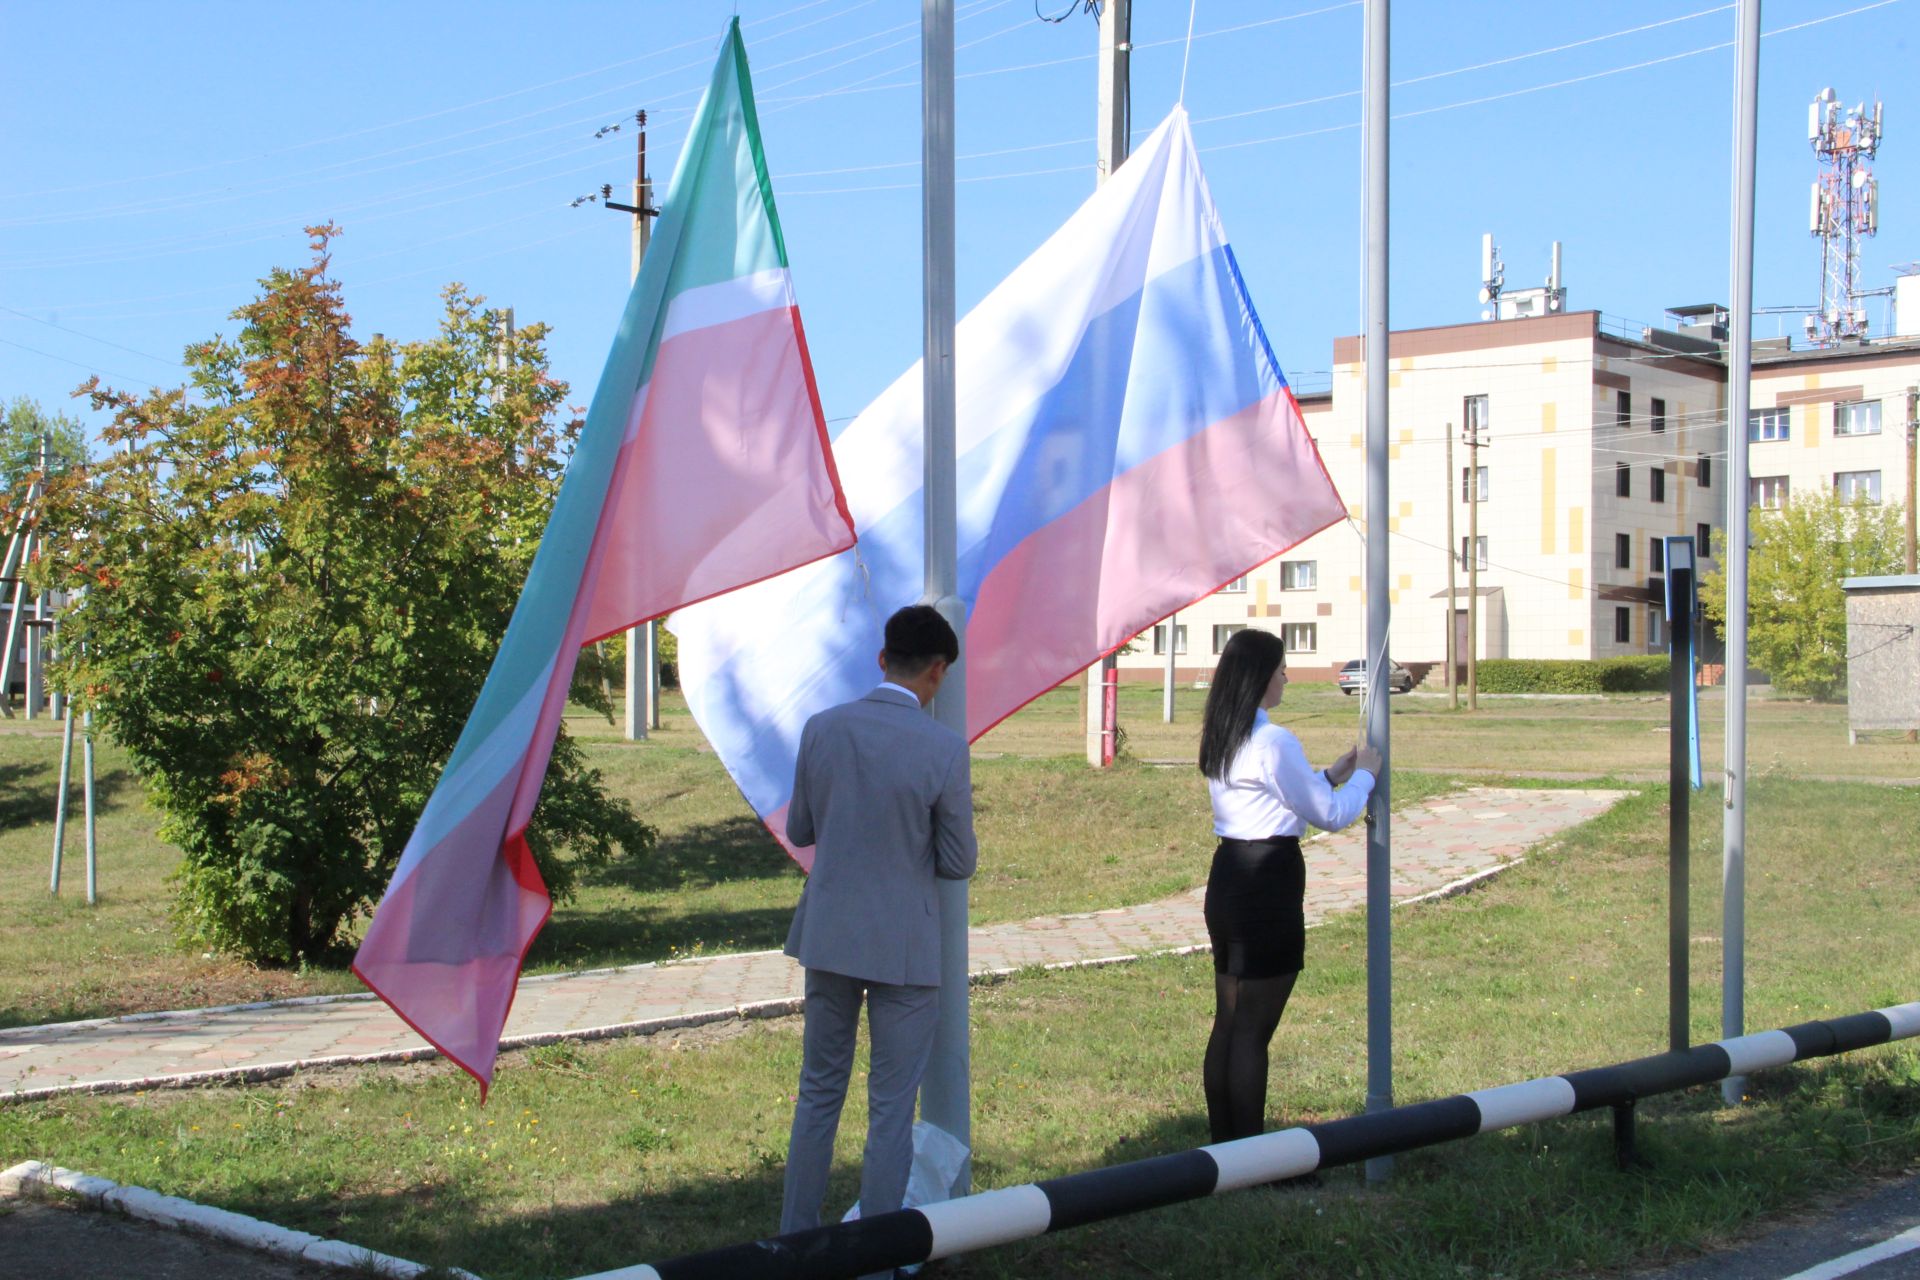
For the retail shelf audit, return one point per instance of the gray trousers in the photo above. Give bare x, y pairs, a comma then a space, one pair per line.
900, 1022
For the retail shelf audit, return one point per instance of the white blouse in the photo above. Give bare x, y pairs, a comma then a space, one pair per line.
1271, 790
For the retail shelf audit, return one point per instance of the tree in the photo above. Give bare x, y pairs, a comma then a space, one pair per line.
296, 576
1796, 607
23, 425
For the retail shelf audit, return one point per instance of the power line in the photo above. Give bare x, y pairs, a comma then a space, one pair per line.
148, 355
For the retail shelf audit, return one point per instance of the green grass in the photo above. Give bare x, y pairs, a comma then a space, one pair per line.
715, 882
595, 1156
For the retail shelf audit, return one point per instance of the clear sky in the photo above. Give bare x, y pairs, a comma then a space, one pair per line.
160, 158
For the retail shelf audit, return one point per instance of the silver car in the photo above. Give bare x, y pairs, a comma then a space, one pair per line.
1353, 677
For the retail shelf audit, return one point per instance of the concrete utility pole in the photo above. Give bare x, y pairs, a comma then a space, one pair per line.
1913, 486
1473, 560
1453, 630
1733, 832
1375, 115
1112, 135
1166, 694
946, 1097
643, 641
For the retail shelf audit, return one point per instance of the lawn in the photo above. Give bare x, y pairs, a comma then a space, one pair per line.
594, 1156
717, 882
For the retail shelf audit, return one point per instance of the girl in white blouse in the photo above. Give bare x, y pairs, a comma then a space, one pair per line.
1265, 795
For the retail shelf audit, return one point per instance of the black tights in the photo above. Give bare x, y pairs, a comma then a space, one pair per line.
1246, 1012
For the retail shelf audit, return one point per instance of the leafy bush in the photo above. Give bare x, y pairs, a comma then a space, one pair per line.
1646, 674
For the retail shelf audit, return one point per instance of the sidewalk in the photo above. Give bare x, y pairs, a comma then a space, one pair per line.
1437, 844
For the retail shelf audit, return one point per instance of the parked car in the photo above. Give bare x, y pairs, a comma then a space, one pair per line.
1353, 677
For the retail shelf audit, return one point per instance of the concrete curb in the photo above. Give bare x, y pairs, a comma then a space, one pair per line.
36, 1179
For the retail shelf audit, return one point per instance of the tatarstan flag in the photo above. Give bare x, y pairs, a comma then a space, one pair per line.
704, 466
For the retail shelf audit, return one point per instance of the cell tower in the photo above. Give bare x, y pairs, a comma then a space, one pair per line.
1846, 207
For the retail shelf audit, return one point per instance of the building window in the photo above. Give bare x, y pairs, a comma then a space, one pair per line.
1656, 555
1656, 628
1703, 539
1301, 637
1299, 575
1622, 624
1222, 632
1238, 584
1467, 485
1658, 411
1477, 417
1860, 418
1857, 486
1179, 638
1769, 493
1705, 472
1622, 480
1622, 551
1766, 424
1622, 409
1657, 483
1480, 546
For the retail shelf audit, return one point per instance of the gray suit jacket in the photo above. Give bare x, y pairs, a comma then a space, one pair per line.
884, 793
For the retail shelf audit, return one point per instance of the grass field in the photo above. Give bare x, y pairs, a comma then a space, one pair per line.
716, 882
590, 1157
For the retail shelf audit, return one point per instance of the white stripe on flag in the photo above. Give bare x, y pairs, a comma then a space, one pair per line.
734, 299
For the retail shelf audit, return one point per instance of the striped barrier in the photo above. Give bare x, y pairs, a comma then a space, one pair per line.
1015, 1213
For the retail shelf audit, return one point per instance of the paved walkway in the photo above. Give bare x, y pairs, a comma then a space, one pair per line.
1438, 845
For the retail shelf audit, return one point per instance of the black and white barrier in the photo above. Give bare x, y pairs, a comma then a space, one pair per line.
1014, 1213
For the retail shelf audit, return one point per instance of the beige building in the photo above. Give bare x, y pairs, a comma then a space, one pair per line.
1597, 446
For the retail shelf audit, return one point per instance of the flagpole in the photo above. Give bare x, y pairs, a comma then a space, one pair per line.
945, 1097
1379, 848
1733, 835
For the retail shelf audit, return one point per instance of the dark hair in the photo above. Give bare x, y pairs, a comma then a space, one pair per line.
1240, 680
916, 635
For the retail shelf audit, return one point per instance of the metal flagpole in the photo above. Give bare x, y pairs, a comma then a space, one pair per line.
1379, 862
945, 1097
1733, 835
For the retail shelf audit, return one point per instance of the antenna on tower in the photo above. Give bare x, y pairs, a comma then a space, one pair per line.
1493, 275
1845, 208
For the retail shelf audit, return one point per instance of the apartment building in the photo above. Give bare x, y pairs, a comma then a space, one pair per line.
1598, 443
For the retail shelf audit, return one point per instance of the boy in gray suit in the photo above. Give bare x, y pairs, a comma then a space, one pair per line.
884, 793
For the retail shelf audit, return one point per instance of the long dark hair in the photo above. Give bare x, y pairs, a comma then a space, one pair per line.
1240, 680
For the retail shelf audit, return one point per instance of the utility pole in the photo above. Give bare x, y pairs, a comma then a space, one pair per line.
1473, 558
643, 641
1453, 630
1113, 137
1913, 488
1166, 694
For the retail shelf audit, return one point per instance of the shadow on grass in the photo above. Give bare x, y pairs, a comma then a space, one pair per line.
736, 848
611, 935
28, 792
446, 1224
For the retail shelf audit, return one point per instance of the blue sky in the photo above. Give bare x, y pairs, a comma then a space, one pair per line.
160, 158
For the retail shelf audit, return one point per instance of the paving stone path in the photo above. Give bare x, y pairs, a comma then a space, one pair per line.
1437, 844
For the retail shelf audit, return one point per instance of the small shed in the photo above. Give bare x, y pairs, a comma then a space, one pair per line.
1883, 654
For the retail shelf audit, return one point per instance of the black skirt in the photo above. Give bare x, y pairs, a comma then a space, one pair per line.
1256, 907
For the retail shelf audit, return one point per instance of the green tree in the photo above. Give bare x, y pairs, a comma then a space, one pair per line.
23, 425
1796, 606
297, 571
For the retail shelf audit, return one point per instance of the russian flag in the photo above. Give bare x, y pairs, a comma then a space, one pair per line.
704, 466
1126, 445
